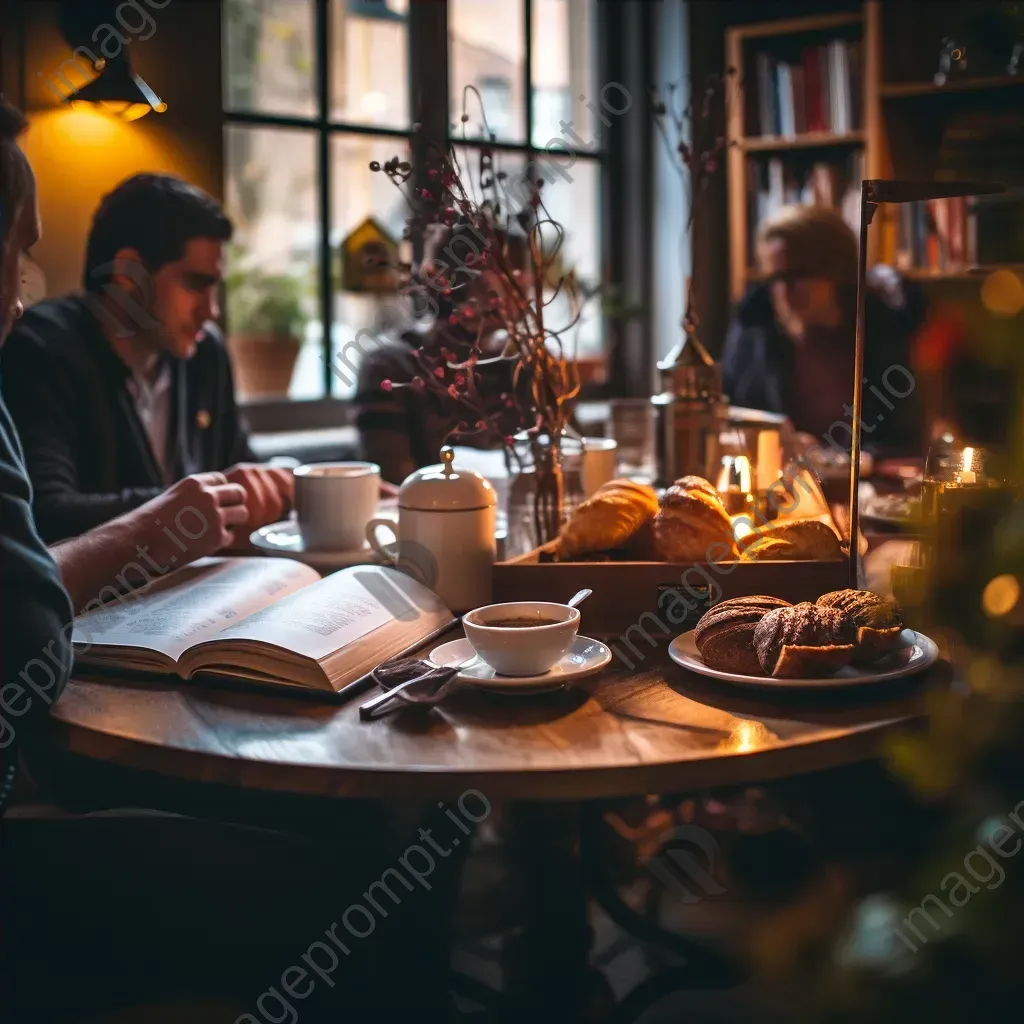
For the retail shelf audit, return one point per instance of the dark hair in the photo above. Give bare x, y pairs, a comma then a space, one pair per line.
14, 170
155, 214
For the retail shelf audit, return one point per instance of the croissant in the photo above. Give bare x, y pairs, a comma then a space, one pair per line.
608, 519
691, 520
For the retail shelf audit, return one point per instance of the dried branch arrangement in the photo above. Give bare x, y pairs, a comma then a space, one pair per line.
497, 277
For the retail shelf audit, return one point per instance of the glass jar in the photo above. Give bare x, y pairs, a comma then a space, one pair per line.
527, 530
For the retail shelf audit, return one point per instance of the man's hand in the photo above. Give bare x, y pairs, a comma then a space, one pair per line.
269, 492
192, 519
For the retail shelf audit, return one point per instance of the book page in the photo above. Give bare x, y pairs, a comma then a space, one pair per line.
342, 608
190, 605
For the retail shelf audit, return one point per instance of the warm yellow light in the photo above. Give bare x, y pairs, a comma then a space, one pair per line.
1000, 596
1002, 293
748, 735
114, 106
135, 111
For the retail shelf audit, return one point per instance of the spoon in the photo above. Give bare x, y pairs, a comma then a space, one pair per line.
434, 681
579, 597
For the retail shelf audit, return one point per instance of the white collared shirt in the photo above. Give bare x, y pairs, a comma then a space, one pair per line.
153, 404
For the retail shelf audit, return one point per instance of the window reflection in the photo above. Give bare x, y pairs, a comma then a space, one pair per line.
369, 65
269, 62
486, 48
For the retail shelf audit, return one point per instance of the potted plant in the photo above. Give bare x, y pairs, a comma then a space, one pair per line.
266, 321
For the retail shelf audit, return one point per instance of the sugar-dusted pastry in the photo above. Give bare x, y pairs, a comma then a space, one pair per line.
809, 539
874, 622
725, 634
802, 641
608, 519
691, 520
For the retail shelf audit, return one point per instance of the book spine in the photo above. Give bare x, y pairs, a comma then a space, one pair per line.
917, 234
776, 186
957, 230
825, 89
940, 212
763, 65
787, 113
799, 98
812, 89
856, 87
972, 232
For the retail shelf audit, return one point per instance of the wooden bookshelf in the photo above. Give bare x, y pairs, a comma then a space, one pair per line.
806, 140
908, 90
747, 145
909, 127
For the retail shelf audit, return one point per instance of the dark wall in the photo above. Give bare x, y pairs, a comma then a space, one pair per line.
79, 156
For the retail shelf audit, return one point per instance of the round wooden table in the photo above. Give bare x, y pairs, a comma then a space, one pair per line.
625, 732
654, 729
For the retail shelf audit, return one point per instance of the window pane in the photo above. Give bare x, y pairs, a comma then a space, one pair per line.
572, 196
272, 292
486, 49
563, 40
357, 194
269, 57
370, 62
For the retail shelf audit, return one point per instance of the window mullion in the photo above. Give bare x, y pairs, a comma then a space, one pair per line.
323, 50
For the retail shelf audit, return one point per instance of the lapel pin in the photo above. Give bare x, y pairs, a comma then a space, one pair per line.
203, 419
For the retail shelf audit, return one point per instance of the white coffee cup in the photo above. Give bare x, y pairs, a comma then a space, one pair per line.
528, 648
600, 463
333, 503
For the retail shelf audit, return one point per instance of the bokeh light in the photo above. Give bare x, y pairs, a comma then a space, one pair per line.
1002, 293
1000, 596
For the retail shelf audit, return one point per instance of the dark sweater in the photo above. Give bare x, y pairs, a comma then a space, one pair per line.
34, 642
762, 369
86, 450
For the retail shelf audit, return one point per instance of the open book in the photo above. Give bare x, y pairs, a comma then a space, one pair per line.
266, 620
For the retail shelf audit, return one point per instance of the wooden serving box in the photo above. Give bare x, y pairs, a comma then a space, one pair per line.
659, 598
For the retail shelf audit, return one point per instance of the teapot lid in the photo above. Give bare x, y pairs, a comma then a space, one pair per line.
446, 488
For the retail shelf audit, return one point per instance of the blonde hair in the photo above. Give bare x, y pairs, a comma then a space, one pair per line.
817, 239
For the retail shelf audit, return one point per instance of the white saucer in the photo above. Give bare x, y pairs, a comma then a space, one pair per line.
285, 540
584, 658
917, 654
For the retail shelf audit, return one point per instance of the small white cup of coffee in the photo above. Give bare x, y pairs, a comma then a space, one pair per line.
522, 638
333, 503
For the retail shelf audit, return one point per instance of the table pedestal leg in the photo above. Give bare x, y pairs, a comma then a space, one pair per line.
549, 976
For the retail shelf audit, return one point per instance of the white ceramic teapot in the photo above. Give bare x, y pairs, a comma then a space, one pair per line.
445, 535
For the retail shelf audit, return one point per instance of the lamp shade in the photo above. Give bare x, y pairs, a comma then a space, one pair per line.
119, 91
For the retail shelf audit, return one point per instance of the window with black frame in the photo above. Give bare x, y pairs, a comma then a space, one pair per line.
314, 91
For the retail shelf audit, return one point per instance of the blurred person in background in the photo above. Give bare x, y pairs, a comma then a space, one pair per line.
404, 429
790, 346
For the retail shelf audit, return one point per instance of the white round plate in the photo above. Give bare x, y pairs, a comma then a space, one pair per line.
917, 654
285, 540
584, 658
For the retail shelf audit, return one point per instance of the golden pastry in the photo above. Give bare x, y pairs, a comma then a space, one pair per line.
807, 539
693, 519
608, 519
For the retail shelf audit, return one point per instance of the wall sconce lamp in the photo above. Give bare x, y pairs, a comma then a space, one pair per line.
118, 91
873, 192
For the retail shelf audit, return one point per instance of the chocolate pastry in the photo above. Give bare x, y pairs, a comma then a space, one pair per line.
873, 622
725, 634
802, 641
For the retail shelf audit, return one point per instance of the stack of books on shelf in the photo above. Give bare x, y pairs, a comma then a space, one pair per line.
773, 183
939, 235
821, 93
